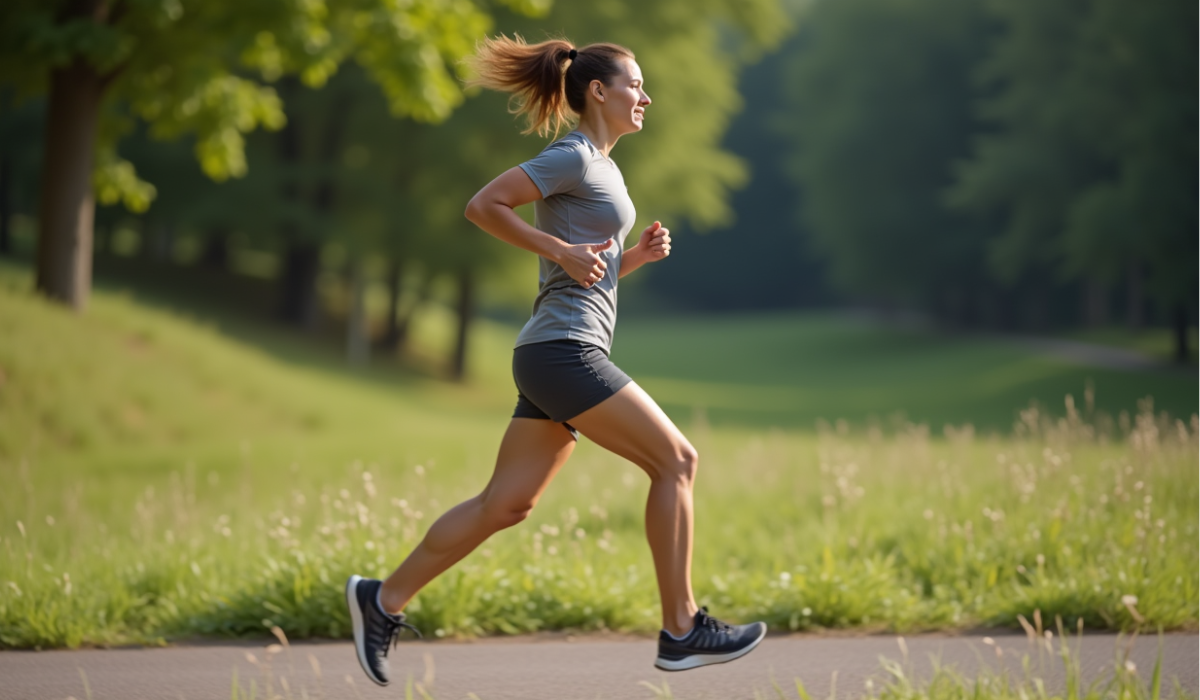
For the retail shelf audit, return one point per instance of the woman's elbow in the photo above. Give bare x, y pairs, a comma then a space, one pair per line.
474, 210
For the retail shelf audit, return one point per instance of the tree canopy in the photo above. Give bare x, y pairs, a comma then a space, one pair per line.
879, 107
1091, 160
955, 156
198, 67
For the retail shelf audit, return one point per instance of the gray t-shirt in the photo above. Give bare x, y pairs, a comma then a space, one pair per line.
584, 200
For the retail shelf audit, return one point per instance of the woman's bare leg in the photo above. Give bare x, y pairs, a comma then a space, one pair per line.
531, 453
631, 425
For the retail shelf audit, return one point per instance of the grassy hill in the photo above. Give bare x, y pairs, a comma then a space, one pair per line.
138, 374
125, 377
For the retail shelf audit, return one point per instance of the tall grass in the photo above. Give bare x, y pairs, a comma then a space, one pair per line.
894, 531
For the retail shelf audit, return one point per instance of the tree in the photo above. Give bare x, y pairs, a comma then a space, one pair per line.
1091, 163
180, 65
20, 130
879, 98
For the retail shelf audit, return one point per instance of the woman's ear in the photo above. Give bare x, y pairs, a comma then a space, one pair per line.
597, 90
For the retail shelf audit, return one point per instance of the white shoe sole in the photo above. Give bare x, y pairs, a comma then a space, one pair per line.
698, 660
356, 621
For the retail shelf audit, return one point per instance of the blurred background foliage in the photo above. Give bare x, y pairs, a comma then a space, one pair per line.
1003, 166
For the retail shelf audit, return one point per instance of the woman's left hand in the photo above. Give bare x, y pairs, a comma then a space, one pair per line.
655, 242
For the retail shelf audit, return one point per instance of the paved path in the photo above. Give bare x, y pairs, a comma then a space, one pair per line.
1073, 351
558, 668
1095, 355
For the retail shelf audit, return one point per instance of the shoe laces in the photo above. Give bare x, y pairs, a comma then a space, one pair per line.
703, 619
392, 628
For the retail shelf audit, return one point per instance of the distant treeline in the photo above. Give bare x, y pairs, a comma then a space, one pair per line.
1020, 165
1017, 165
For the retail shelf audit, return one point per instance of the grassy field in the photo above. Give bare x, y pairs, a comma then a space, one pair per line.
791, 371
167, 477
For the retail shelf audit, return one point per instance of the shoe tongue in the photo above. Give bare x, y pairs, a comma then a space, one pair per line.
706, 620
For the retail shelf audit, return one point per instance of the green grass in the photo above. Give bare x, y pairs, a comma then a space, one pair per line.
788, 371
165, 479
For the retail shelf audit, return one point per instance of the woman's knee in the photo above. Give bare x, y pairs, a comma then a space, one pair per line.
504, 513
681, 465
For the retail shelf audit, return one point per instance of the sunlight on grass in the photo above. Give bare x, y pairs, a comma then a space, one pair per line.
164, 482
881, 531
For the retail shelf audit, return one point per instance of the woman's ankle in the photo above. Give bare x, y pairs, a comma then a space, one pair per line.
680, 625
392, 602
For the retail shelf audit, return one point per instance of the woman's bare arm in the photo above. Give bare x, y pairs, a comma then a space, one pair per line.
491, 209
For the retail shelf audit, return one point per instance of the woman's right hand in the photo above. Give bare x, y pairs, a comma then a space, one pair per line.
584, 262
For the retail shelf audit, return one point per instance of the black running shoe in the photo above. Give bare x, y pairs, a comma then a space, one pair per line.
374, 630
710, 642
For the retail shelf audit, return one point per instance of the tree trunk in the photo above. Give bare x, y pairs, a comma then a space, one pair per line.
1037, 317
357, 345
1095, 303
948, 306
156, 243
466, 308
298, 284
395, 341
164, 242
5, 203
1179, 327
1136, 299
215, 255
331, 141
301, 258
391, 330
64, 260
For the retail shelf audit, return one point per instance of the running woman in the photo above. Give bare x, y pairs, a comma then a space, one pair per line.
566, 384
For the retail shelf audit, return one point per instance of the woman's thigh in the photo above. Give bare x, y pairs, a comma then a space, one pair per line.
630, 424
531, 453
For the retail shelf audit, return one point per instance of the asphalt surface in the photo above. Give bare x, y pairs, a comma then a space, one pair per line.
561, 668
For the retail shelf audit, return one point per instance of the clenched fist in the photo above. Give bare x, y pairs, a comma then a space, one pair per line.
584, 262
655, 242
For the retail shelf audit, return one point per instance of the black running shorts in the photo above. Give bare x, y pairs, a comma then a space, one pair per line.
559, 379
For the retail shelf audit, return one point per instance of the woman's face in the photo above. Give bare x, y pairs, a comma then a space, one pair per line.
625, 99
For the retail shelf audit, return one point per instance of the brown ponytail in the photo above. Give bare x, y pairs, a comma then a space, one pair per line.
546, 83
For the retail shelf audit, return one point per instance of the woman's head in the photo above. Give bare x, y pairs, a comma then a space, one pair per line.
550, 86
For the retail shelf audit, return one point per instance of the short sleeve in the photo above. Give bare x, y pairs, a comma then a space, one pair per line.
559, 168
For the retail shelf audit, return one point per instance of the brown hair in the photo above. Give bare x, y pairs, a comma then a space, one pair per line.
543, 78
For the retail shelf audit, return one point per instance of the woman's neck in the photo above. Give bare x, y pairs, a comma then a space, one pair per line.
598, 133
